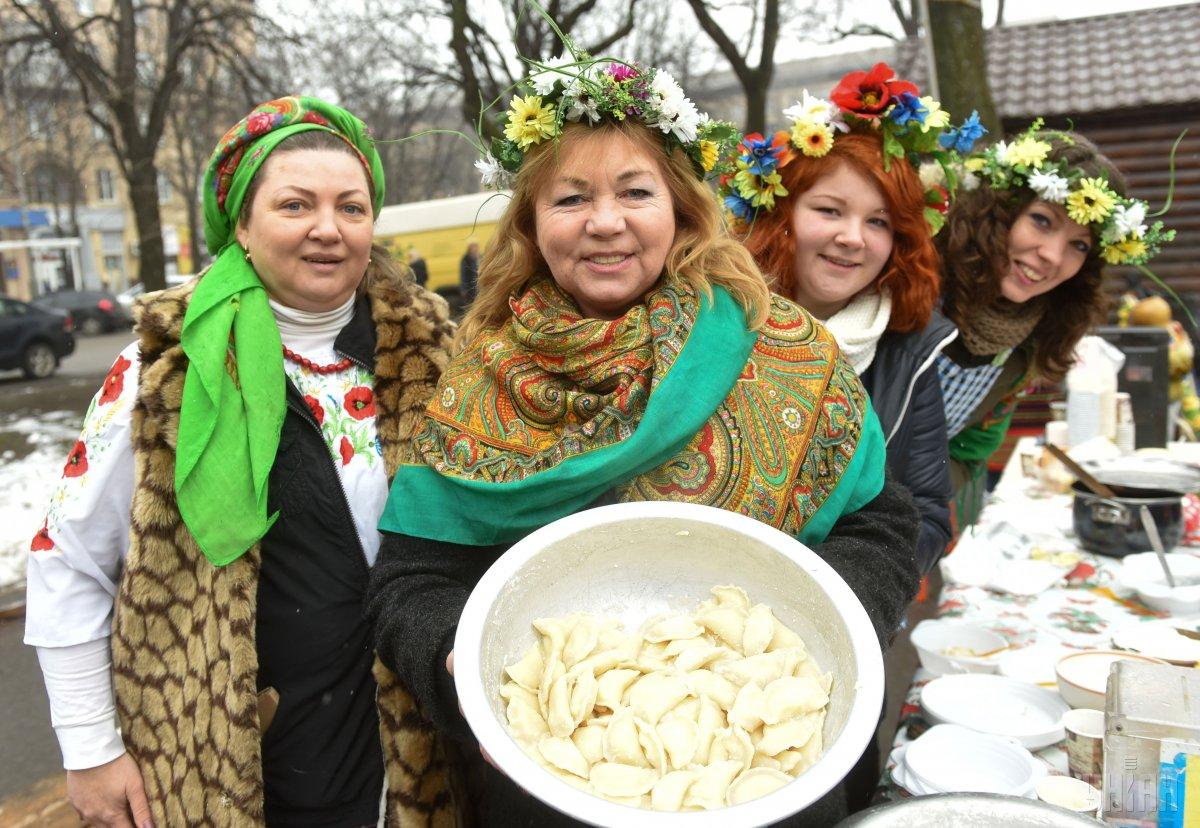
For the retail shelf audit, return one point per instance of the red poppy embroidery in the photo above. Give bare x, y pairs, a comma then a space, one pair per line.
114, 383
346, 450
41, 541
314, 118
360, 403
259, 123
76, 461
314, 405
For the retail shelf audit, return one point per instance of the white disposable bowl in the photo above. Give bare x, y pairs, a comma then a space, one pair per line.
1143, 574
634, 560
1066, 792
1083, 676
933, 637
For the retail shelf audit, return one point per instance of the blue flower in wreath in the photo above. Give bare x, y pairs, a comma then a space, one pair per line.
964, 137
760, 154
741, 208
908, 108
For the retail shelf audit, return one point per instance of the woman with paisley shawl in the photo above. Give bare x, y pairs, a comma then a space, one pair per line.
623, 347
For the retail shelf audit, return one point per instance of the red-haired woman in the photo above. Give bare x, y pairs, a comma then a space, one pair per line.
841, 227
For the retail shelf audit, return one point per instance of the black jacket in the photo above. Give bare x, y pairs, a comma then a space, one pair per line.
322, 760
419, 587
903, 383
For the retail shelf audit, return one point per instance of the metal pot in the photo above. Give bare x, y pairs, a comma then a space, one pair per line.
1113, 526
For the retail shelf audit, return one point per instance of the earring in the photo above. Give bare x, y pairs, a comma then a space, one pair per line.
247, 257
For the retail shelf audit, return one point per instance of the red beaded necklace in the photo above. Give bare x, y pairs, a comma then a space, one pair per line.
304, 362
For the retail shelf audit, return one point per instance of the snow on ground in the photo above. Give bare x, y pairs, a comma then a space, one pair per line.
27, 482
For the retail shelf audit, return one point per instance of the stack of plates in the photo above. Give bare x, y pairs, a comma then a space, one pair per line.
997, 705
954, 759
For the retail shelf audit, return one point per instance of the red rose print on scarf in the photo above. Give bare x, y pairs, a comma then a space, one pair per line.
347, 451
259, 123
41, 541
76, 461
114, 383
314, 405
360, 403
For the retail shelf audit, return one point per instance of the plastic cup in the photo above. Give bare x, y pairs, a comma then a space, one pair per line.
1085, 744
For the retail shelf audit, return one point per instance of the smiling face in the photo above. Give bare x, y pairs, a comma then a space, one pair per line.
310, 228
1045, 249
843, 239
605, 222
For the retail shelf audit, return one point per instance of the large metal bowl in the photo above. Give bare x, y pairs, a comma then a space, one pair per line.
634, 560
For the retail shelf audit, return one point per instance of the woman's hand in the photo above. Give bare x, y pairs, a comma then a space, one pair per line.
484, 753
110, 795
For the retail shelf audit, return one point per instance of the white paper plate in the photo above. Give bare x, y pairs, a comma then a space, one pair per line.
1159, 639
999, 705
954, 759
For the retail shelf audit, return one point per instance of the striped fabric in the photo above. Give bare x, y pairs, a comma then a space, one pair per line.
963, 389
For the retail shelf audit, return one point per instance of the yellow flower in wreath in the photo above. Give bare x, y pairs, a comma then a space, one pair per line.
813, 139
1090, 201
528, 121
1126, 251
708, 154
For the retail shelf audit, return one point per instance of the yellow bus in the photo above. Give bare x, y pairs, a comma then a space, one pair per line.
440, 230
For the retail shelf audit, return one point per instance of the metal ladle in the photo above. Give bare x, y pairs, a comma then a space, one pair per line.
1156, 543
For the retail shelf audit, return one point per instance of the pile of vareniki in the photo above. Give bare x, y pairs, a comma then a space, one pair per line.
690, 713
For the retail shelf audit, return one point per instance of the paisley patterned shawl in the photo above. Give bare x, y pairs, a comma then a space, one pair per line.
675, 400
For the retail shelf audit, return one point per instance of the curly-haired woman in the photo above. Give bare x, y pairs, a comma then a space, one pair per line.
1029, 237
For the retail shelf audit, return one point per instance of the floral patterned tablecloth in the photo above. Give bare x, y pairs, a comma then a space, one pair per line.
1081, 610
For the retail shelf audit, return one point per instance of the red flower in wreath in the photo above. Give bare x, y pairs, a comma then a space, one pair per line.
114, 383
346, 450
41, 541
314, 405
76, 460
360, 402
259, 123
868, 94
938, 197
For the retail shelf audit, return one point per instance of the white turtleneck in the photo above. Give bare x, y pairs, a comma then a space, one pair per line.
309, 333
858, 326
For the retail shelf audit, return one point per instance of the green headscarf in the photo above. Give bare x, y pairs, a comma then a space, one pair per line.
233, 393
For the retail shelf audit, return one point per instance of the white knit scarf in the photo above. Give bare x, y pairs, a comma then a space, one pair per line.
858, 326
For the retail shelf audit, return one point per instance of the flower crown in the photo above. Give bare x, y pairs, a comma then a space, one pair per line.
1117, 222
576, 87
912, 127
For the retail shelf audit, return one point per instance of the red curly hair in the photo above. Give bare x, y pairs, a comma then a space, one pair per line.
911, 272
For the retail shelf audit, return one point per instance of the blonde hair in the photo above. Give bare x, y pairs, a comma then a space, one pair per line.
703, 254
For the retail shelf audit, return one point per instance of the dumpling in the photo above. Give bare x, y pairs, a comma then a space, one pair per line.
760, 669
551, 673
668, 792
611, 687
528, 671
789, 697
732, 743
793, 733
708, 683
748, 707
753, 783
583, 696
653, 695
671, 628
562, 754
558, 715
653, 657
525, 723
784, 638
680, 738
700, 655
711, 720
652, 746
727, 623
615, 779
590, 741
759, 630
581, 641
622, 740
708, 791
731, 596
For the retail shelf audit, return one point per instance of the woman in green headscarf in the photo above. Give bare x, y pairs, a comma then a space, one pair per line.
208, 549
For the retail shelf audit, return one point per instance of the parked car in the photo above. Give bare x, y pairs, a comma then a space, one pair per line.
94, 311
132, 292
33, 339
